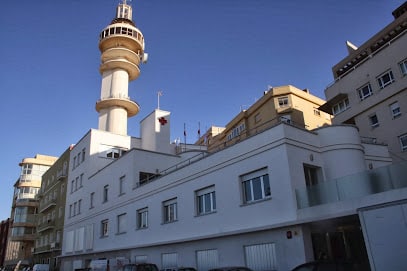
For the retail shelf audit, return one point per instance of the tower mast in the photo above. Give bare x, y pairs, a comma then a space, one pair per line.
122, 46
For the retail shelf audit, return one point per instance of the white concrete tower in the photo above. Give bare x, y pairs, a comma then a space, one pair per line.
122, 46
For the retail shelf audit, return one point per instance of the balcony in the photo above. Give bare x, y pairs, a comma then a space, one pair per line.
61, 174
354, 186
27, 220
49, 204
49, 225
23, 237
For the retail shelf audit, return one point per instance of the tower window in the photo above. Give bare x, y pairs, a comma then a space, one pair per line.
385, 79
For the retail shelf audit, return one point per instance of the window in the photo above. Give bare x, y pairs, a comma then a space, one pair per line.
72, 186
403, 66
403, 142
317, 112
236, 131
104, 228
206, 200
257, 118
79, 206
142, 218
395, 110
311, 174
170, 210
121, 223
365, 91
283, 102
81, 180
385, 79
340, 107
256, 186
105, 193
91, 199
83, 155
122, 187
374, 121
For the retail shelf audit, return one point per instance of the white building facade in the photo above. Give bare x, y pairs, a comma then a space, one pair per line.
226, 208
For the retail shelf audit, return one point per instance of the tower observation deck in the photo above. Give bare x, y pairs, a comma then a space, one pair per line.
122, 46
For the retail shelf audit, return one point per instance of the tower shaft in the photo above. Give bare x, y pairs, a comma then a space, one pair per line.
122, 48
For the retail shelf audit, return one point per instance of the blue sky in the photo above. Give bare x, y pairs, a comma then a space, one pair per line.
210, 58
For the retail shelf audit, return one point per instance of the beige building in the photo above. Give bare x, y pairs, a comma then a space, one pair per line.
23, 211
285, 103
51, 211
370, 87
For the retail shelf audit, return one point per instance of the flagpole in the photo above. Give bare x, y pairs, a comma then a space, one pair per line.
185, 138
159, 94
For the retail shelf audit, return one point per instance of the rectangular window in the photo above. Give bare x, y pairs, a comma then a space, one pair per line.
81, 180
395, 110
374, 121
142, 218
83, 155
104, 231
283, 102
341, 106
365, 91
403, 142
72, 186
105, 193
206, 200
121, 223
170, 210
91, 200
256, 186
122, 185
385, 79
403, 66
317, 112
79, 206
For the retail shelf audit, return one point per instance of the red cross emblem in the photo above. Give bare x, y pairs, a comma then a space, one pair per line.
162, 121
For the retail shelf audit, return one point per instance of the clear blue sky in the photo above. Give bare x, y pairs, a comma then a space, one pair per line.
210, 58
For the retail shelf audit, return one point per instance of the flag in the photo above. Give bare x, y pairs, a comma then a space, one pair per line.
185, 132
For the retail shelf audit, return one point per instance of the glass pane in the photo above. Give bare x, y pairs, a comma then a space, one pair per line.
266, 185
207, 202
247, 191
257, 191
213, 201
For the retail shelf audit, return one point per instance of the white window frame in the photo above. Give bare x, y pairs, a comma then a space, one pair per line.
403, 142
105, 193
122, 182
205, 200
340, 107
251, 181
121, 223
384, 81
104, 229
142, 218
170, 211
365, 91
283, 102
403, 66
395, 110
372, 121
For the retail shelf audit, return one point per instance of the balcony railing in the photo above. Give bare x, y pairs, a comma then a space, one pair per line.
354, 186
49, 204
50, 224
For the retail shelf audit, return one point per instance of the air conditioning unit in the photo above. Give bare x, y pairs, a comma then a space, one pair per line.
52, 245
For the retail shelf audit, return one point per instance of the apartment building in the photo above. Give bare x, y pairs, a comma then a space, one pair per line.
285, 103
370, 87
21, 239
4, 229
51, 211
